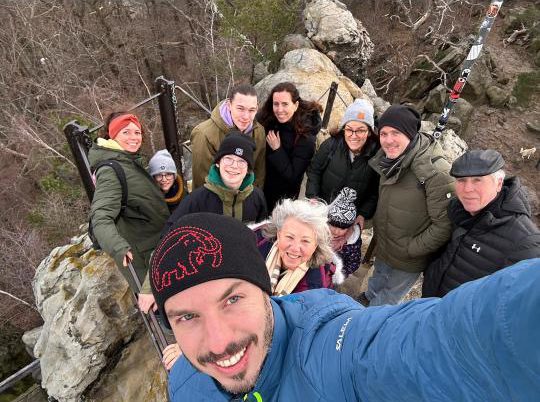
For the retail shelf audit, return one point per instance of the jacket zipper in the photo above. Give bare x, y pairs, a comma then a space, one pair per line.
233, 205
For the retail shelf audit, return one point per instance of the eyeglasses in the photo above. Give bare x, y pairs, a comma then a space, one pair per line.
163, 176
350, 132
228, 161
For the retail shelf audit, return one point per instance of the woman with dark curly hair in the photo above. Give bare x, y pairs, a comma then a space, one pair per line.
291, 126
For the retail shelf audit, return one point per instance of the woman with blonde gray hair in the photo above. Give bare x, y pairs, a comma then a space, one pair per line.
296, 243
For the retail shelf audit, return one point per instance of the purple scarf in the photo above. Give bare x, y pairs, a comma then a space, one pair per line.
225, 113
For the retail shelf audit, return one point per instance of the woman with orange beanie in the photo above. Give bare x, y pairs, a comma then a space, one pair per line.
127, 234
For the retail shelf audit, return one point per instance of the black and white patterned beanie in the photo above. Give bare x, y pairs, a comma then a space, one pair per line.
342, 211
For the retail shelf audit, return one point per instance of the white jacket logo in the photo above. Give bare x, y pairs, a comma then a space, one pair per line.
342, 333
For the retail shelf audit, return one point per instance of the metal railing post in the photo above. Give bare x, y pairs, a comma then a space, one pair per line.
167, 109
75, 133
329, 104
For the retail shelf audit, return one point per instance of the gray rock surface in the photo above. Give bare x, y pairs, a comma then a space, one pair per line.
89, 318
463, 110
436, 99
295, 41
260, 71
379, 104
533, 126
30, 339
497, 96
425, 76
452, 145
312, 72
336, 33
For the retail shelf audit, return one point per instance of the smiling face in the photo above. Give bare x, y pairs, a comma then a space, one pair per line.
243, 110
356, 134
477, 191
393, 141
232, 170
164, 181
296, 243
283, 106
224, 328
129, 138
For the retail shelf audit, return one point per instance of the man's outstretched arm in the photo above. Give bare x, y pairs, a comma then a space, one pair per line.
480, 342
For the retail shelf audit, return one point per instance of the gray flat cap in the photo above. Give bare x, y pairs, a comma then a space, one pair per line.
477, 163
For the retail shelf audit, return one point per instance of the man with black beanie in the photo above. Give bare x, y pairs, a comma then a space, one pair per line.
240, 344
410, 221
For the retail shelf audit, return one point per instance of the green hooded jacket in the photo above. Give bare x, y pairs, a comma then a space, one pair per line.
411, 222
139, 226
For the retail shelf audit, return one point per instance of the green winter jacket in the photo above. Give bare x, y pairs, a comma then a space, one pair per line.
411, 222
206, 138
139, 226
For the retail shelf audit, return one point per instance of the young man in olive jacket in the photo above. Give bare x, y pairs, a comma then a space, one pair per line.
236, 113
410, 221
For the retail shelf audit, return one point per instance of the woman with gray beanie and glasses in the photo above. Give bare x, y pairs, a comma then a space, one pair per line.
342, 161
163, 169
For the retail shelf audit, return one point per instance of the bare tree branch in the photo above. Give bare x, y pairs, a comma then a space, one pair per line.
437, 67
18, 299
4, 148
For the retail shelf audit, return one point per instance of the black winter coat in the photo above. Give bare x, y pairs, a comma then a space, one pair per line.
330, 172
501, 235
285, 167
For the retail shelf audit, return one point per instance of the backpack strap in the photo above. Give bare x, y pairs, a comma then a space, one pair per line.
121, 175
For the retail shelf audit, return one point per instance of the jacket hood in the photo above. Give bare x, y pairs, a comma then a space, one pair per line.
215, 116
217, 119
511, 201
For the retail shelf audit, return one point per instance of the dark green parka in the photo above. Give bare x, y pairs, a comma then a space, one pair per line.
411, 222
139, 226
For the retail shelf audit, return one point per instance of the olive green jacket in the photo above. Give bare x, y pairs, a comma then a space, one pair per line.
411, 221
139, 226
206, 138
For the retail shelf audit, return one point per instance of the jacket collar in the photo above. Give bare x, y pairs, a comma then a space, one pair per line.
422, 146
270, 377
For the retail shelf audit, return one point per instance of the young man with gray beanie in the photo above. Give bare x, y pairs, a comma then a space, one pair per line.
342, 161
410, 223
240, 344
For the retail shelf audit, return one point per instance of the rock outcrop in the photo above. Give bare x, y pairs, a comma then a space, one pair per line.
91, 329
312, 73
343, 38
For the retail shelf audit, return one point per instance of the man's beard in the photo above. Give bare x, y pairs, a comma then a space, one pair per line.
244, 384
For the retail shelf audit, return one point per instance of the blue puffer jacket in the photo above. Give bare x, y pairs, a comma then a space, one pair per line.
479, 343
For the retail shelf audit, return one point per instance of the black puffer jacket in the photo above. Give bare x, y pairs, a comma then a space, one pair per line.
285, 167
330, 172
501, 235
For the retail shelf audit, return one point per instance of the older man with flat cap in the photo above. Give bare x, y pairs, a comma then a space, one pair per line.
240, 344
492, 224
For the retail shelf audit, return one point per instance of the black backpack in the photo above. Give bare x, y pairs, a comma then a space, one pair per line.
123, 203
